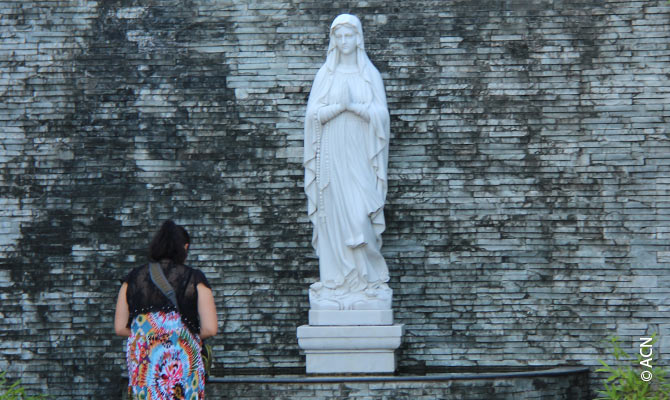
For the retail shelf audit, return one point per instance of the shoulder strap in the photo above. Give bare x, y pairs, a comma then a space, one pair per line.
161, 282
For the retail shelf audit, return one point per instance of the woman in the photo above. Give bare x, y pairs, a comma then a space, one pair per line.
163, 348
346, 152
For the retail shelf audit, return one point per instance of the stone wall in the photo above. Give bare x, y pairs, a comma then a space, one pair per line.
527, 213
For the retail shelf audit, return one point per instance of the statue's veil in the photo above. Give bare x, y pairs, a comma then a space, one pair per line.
379, 119
332, 58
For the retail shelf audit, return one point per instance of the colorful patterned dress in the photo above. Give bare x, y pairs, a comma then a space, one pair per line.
164, 359
163, 351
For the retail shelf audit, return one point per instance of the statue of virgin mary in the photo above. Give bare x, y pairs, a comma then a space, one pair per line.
346, 154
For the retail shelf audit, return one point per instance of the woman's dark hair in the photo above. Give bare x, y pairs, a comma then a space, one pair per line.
168, 243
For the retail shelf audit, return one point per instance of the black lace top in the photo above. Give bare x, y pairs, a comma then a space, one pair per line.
144, 297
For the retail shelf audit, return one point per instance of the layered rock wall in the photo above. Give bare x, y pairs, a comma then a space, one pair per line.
527, 214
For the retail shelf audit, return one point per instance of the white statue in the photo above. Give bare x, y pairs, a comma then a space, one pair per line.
346, 153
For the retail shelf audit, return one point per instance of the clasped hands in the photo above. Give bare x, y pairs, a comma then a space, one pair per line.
329, 112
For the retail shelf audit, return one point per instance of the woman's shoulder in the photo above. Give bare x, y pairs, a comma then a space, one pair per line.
197, 276
133, 273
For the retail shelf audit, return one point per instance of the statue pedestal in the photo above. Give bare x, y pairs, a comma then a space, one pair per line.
356, 341
350, 317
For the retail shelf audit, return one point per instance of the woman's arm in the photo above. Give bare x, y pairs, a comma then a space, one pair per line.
207, 312
122, 313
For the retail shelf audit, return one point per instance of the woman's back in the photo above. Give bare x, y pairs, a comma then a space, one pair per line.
163, 350
144, 296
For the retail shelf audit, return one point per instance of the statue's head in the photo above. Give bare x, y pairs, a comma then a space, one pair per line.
346, 35
350, 23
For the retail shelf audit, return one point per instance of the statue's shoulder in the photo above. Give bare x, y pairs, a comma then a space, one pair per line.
321, 73
320, 81
373, 71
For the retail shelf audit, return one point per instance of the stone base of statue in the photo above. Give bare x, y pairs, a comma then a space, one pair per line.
377, 297
350, 317
350, 341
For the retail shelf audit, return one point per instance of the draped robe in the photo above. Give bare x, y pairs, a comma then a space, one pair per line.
345, 176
